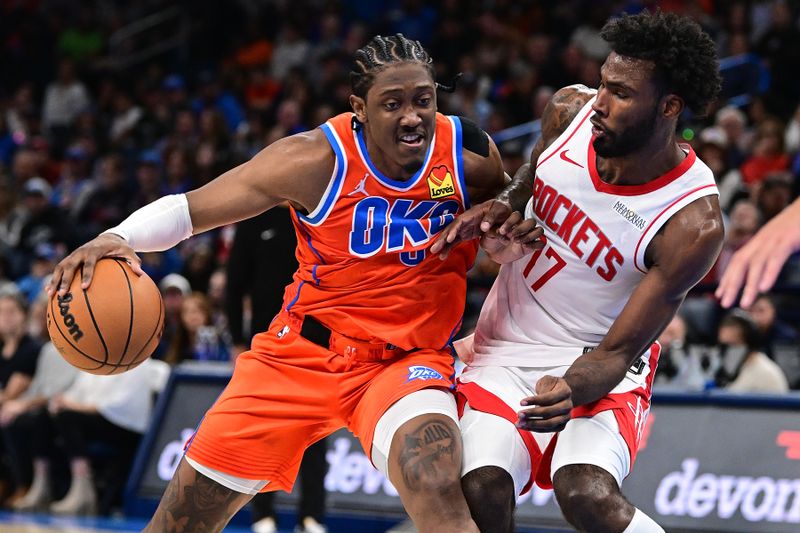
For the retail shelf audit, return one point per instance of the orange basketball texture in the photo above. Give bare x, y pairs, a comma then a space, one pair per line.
110, 327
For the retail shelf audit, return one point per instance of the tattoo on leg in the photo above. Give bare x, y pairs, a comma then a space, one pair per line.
423, 451
205, 506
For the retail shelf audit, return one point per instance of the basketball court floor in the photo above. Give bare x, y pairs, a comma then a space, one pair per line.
40, 523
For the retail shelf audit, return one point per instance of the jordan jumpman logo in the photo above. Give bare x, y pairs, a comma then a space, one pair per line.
361, 187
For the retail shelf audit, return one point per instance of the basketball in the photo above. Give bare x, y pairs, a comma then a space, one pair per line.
112, 326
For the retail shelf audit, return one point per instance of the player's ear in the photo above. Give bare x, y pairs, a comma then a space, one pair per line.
673, 106
359, 106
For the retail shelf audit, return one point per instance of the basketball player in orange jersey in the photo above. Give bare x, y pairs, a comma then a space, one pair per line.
363, 338
560, 368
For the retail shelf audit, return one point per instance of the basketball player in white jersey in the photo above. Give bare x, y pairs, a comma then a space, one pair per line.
558, 383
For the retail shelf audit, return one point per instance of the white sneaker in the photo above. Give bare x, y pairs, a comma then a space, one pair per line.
265, 525
310, 526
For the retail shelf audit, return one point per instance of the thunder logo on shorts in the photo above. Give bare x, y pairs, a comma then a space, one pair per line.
423, 373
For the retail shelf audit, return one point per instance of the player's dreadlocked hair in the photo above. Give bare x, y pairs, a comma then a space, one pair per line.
381, 52
684, 55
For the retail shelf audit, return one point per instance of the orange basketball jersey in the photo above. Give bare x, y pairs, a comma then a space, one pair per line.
365, 269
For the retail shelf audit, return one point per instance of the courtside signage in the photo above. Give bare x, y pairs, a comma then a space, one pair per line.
727, 469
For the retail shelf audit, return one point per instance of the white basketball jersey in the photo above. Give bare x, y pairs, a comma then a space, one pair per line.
545, 308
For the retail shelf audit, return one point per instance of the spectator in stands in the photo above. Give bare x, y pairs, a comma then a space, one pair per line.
27, 163
64, 98
127, 115
148, 179
213, 96
179, 172
743, 223
113, 410
734, 122
713, 150
771, 328
291, 50
199, 261
104, 203
18, 355
36, 221
19, 112
470, 101
23, 417
744, 367
8, 238
768, 154
216, 293
174, 288
673, 356
74, 178
774, 194
45, 257
196, 338
289, 121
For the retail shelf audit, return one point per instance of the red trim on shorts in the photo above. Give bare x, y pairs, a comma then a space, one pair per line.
621, 404
484, 401
626, 406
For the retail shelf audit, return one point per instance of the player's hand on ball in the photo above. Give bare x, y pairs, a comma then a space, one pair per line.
85, 258
523, 238
470, 224
551, 409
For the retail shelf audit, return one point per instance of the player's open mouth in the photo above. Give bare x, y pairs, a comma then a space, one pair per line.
412, 140
597, 129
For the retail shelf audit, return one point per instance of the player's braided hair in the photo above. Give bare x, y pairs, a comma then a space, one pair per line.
381, 52
684, 55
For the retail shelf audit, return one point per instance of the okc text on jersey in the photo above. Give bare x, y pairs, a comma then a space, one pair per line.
398, 226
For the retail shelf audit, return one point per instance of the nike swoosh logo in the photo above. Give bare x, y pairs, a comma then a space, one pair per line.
568, 160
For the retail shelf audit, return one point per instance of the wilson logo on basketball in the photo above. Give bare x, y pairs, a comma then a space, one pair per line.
67, 318
440, 182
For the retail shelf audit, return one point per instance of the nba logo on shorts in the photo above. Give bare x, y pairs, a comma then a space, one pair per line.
423, 373
283, 332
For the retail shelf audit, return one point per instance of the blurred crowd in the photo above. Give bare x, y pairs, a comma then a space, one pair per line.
100, 116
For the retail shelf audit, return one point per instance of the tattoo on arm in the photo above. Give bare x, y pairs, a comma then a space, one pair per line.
518, 192
424, 451
560, 111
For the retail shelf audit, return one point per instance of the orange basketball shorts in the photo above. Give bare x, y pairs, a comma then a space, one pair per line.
287, 393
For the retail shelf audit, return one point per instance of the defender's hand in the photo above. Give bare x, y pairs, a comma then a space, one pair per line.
523, 238
469, 225
756, 265
552, 406
86, 257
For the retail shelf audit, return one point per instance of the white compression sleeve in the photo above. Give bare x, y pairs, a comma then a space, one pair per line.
641, 523
158, 226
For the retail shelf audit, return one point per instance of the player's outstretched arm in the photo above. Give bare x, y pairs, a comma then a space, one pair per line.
296, 169
522, 238
757, 264
485, 178
493, 214
680, 255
